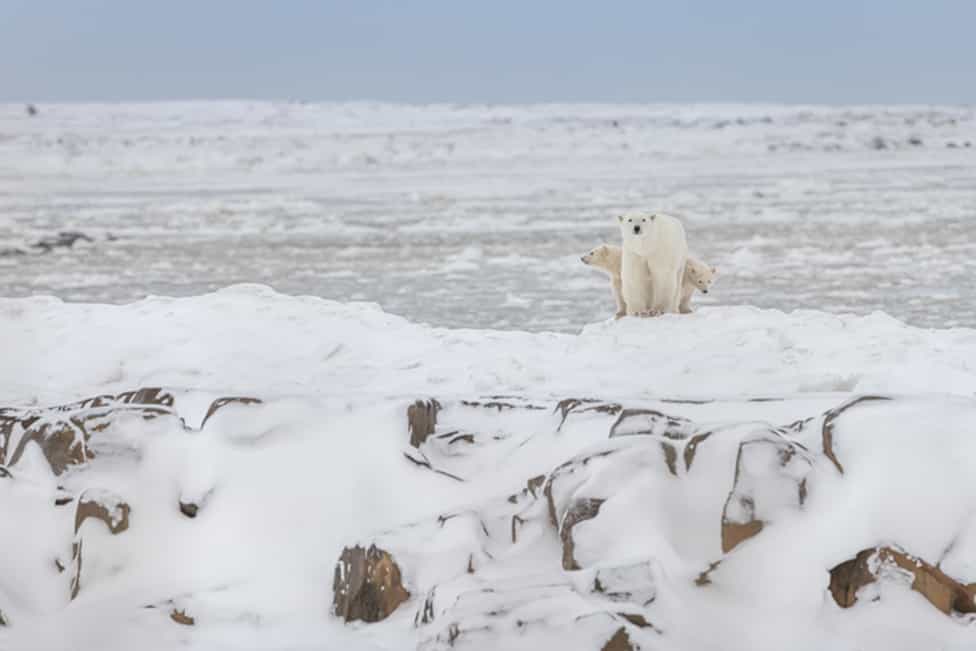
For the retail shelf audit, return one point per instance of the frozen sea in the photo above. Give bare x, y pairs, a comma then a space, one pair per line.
475, 216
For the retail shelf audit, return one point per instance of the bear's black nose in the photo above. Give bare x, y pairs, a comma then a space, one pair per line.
636, 230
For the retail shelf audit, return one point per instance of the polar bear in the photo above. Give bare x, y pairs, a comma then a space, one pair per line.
653, 262
607, 257
698, 275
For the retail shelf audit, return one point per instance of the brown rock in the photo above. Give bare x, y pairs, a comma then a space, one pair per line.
367, 585
581, 510
619, 642
534, 484
734, 533
63, 443
632, 583
105, 507
704, 577
421, 420
569, 405
221, 402
670, 457
636, 619
180, 617
642, 422
941, 590
692, 447
498, 403
62, 432
100, 506
772, 484
828, 427
426, 613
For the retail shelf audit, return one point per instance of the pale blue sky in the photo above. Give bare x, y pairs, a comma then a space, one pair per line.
828, 51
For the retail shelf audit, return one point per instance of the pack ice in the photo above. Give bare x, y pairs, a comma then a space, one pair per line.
249, 470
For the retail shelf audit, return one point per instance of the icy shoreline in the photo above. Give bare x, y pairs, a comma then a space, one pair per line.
833, 208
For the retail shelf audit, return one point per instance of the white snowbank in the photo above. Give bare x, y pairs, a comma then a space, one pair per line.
249, 339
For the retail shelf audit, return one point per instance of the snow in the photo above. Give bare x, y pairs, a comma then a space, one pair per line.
282, 485
348, 349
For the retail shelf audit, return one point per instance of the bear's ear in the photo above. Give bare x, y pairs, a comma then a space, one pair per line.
620, 218
714, 270
652, 217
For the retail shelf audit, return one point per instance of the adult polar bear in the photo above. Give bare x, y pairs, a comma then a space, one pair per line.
655, 251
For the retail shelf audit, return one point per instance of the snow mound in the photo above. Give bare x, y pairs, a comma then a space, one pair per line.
248, 339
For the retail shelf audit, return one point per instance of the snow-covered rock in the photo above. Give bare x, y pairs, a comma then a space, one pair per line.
263, 463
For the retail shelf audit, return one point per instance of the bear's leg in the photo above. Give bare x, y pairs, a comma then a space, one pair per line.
618, 296
666, 296
687, 289
635, 285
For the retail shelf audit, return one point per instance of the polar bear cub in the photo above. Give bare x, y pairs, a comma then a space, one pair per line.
698, 275
607, 257
653, 262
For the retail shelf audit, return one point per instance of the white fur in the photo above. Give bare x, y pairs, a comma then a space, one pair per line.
698, 275
653, 263
607, 257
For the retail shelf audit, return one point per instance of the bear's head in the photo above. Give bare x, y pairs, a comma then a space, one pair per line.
598, 257
700, 274
635, 227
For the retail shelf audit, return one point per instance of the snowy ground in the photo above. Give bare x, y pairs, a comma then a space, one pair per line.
320, 463
474, 216
689, 483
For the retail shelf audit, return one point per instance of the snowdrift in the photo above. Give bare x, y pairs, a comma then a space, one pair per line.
251, 470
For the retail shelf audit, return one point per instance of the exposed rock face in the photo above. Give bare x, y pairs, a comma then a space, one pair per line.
64, 432
581, 510
628, 583
97, 505
581, 541
652, 422
447, 437
223, 402
827, 428
63, 443
584, 405
367, 585
619, 642
192, 501
667, 466
526, 612
189, 509
180, 617
422, 420
879, 563
770, 476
